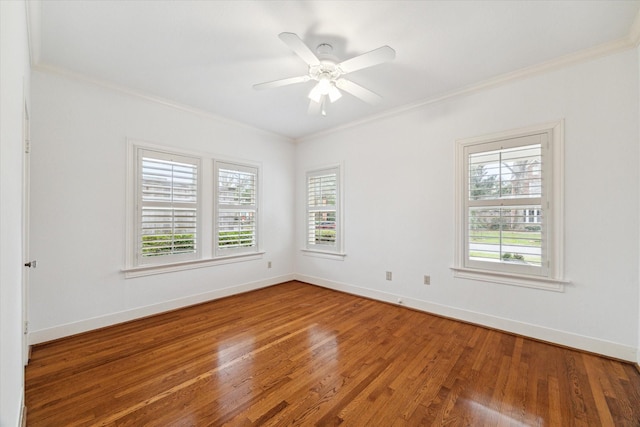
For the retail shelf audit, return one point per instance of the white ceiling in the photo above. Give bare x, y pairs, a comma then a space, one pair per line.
208, 54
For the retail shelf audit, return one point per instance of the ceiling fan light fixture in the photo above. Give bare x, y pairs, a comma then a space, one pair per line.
324, 89
315, 95
324, 85
334, 93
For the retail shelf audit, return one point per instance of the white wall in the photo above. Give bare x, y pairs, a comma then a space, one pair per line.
399, 210
78, 187
14, 70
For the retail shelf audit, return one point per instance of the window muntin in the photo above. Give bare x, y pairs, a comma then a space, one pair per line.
167, 214
506, 187
236, 222
322, 214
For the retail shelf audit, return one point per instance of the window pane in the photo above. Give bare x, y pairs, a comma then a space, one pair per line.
168, 181
322, 228
236, 229
236, 216
506, 235
167, 216
507, 173
167, 231
484, 181
236, 187
322, 210
322, 190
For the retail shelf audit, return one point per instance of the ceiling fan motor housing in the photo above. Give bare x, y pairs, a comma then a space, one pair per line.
326, 70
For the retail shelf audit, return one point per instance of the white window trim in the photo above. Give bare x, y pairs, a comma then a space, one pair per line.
320, 251
554, 278
148, 270
251, 168
206, 215
337, 256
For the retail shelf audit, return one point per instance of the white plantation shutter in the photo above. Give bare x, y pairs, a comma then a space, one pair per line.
322, 209
167, 210
505, 197
236, 208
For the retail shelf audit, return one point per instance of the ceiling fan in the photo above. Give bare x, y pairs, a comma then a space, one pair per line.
328, 73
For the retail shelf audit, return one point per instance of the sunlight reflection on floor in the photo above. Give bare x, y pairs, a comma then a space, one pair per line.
481, 414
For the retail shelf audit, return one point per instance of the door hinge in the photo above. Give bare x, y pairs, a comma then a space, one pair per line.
26, 327
27, 146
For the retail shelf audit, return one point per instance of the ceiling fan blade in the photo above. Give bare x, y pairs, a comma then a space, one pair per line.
282, 82
358, 91
300, 48
369, 59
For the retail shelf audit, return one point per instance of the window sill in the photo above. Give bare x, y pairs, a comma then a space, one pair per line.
148, 270
337, 256
556, 285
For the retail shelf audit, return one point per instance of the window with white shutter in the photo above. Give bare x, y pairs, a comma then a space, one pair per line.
167, 207
510, 207
236, 222
188, 210
323, 210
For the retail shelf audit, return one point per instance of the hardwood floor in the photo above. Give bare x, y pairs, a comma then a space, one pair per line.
296, 354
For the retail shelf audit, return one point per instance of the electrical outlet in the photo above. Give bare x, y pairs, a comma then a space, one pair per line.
427, 280
268, 264
388, 275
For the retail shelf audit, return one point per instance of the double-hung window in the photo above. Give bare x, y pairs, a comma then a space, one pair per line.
509, 207
236, 227
167, 207
323, 223
188, 210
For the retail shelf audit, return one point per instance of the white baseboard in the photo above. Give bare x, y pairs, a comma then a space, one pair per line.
567, 339
23, 417
61, 331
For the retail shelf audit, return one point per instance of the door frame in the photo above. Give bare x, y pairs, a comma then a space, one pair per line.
26, 191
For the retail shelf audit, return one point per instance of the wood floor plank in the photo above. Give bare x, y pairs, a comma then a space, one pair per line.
296, 354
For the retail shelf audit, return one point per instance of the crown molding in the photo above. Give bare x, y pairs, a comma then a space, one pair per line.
72, 75
589, 54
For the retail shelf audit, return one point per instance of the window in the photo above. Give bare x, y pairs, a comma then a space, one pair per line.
323, 223
167, 207
236, 208
509, 205
188, 210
